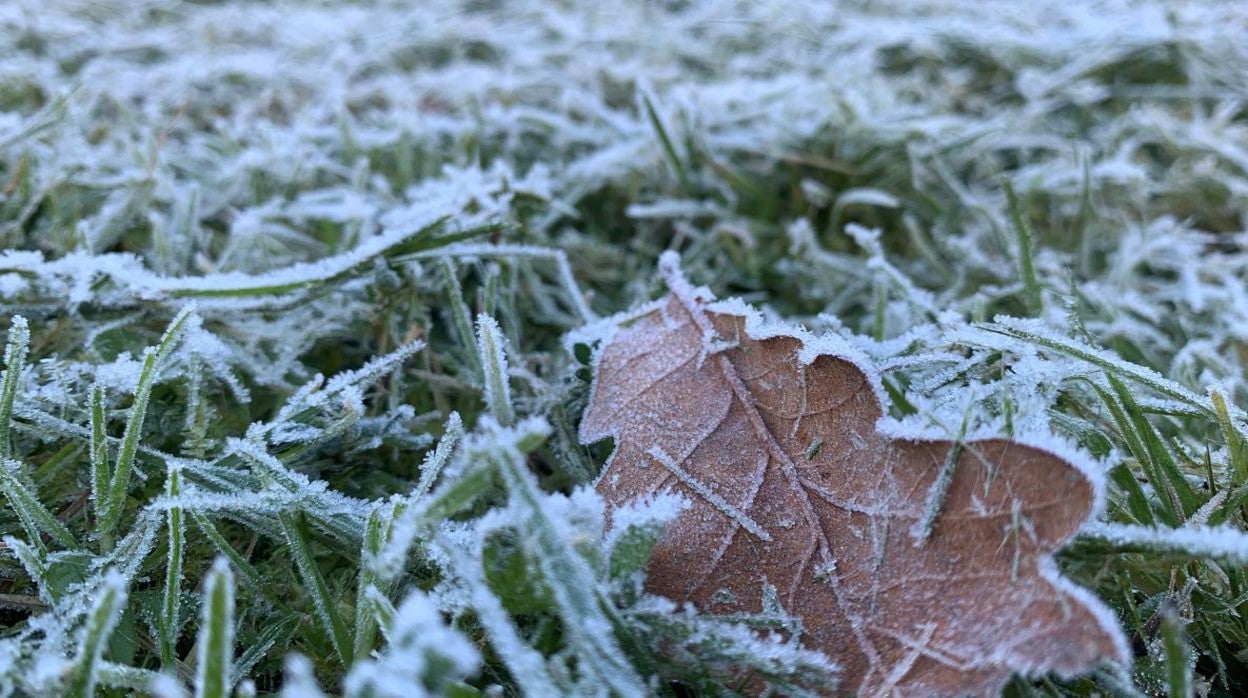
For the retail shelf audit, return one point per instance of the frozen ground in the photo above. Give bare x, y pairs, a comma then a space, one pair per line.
270, 193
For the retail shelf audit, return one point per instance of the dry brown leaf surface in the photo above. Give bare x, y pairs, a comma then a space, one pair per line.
774, 442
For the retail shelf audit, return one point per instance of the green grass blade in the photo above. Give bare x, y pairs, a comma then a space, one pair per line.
15, 351
330, 271
34, 561
433, 464
1237, 449
376, 534
1167, 501
34, 517
1028, 331
1177, 655
214, 668
314, 582
170, 622
255, 580
460, 315
275, 635
110, 601
492, 347
135, 680
119, 483
1137, 501
99, 455
381, 610
669, 149
1171, 477
565, 573
1026, 265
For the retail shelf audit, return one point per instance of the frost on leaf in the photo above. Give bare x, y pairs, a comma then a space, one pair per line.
920, 566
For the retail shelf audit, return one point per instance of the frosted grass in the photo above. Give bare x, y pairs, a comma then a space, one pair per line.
321, 199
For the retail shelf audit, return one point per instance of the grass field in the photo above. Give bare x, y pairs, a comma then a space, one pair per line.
289, 400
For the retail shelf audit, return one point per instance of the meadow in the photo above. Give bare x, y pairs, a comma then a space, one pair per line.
299, 304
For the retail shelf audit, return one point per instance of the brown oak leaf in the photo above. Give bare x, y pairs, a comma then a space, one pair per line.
920, 566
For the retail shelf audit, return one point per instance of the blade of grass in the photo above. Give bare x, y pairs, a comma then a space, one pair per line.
326, 610
135, 680
381, 610
1112, 365
433, 464
276, 634
491, 346
1174, 480
669, 150
327, 271
99, 455
15, 351
1026, 265
1137, 501
169, 625
64, 458
1237, 451
1171, 508
586, 616
1177, 655
119, 483
460, 315
213, 670
255, 580
110, 601
376, 534
33, 516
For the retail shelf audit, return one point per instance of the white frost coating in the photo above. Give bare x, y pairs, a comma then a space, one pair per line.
437, 459
419, 642
771, 651
1219, 542
300, 682
556, 527
492, 348
654, 510
12, 284
119, 375
166, 686
726, 508
1047, 337
527, 665
299, 485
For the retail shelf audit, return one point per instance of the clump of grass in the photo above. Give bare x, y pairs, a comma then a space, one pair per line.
286, 404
